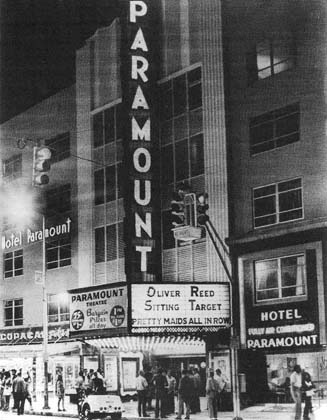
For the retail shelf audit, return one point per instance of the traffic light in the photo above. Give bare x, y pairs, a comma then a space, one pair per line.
177, 210
202, 208
41, 165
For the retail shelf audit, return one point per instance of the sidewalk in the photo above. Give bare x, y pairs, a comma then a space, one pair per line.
258, 412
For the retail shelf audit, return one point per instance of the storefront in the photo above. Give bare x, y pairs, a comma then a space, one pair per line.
23, 349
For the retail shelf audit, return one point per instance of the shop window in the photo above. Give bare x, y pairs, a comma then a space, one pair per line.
13, 315
109, 243
270, 57
58, 253
280, 278
12, 168
13, 263
58, 308
59, 146
58, 200
275, 129
107, 126
278, 203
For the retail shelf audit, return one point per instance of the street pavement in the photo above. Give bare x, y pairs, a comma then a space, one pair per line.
258, 412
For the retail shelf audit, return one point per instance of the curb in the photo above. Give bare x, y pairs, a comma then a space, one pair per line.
51, 414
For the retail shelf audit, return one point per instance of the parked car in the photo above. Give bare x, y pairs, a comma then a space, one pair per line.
104, 406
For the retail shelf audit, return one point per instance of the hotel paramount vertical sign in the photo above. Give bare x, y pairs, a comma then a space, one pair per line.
141, 157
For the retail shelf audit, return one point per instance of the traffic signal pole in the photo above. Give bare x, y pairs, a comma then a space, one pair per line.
213, 234
45, 318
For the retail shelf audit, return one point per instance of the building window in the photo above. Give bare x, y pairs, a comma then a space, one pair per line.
13, 263
270, 57
13, 312
108, 184
107, 126
109, 243
181, 136
58, 253
12, 168
58, 200
59, 146
275, 129
280, 278
278, 203
58, 308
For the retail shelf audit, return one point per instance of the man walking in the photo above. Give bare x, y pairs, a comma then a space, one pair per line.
141, 388
160, 387
296, 384
20, 393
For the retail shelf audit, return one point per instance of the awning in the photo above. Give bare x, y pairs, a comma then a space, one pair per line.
158, 346
30, 350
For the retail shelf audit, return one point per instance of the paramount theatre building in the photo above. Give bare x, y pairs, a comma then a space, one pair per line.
159, 95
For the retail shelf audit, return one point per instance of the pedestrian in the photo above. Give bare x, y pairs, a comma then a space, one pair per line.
197, 390
160, 388
14, 393
170, 407
296, 387
141, 388
98, 383
149, 378
2, 387
7, 390
80, 391
28, 396
308, 389
60, 392
185, 392
222, 383
90, 379
20, 386
212, 395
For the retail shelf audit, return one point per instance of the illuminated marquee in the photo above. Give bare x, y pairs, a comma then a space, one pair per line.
171, 307
140, 144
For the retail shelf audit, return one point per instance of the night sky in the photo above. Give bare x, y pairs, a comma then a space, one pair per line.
38, 43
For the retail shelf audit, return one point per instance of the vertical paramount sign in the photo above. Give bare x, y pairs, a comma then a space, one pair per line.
141, 198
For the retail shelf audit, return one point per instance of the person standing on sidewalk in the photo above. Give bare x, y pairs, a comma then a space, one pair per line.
60, 392
171, 392
212, 388
21, 389
160, 386
141, 388
296, 390
308, 389
185, 391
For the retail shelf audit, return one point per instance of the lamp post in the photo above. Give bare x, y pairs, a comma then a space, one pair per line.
45, 318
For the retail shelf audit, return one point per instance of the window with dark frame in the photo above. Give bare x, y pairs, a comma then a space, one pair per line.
13, 312
280, 278
109, 242
107, 126
59, 146
275, 129
271, 56
58, 200
12, 167
13, 263
182, 149
58, 252
278, 203
58, 308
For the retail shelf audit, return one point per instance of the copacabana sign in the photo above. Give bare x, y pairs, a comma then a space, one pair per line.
183, 307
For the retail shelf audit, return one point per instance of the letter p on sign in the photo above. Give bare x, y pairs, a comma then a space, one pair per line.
137, 8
